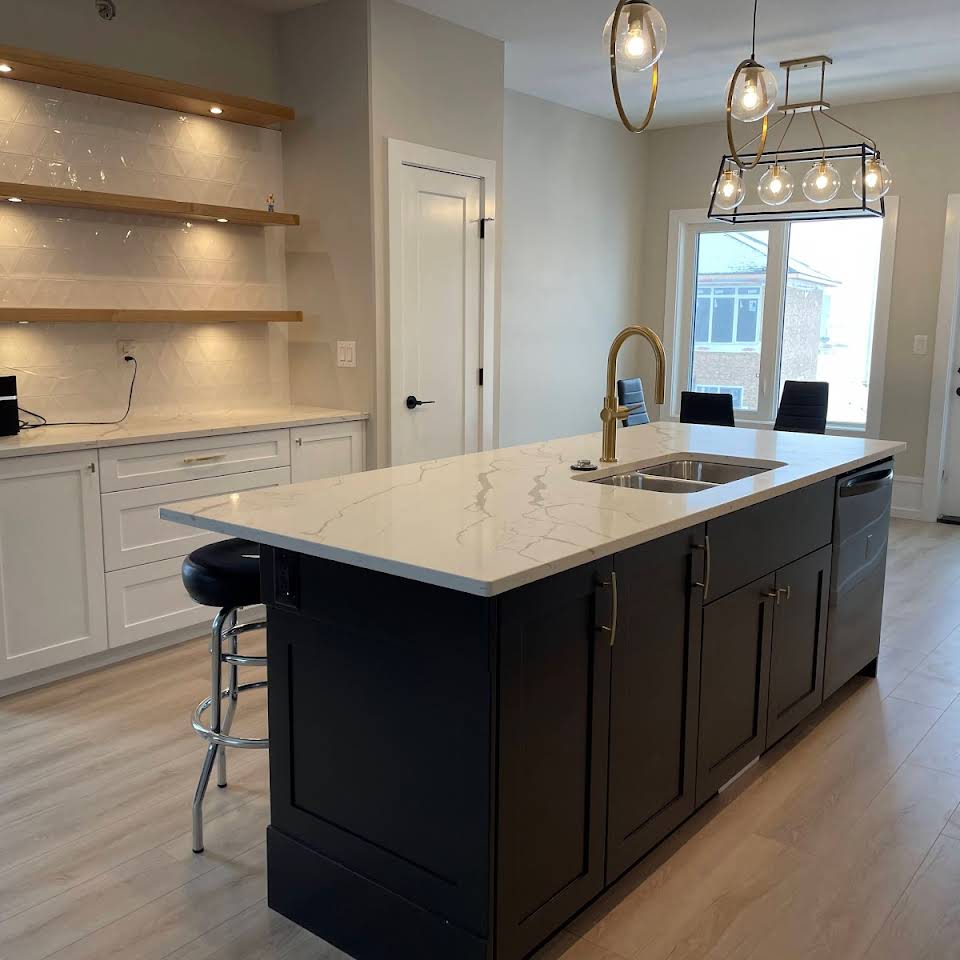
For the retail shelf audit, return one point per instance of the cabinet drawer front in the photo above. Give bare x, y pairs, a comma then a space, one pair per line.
172, 461
327, 450
148, 601
749, 543
133, 532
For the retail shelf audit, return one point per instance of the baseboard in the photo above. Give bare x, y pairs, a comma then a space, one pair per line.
98, 661
907, 498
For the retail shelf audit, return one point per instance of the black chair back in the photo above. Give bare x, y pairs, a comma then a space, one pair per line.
714, 409
803, 407
630, 394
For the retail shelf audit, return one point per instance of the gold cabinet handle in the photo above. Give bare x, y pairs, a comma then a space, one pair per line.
612, 629
211, 458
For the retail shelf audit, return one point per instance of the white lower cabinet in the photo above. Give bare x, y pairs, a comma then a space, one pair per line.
148, 601
327, 450
51, 561
86, 563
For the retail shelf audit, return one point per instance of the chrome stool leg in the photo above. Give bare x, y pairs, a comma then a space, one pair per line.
232, 675
216, 653
224, 633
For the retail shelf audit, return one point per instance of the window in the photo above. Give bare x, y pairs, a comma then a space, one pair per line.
735, 392
791, 301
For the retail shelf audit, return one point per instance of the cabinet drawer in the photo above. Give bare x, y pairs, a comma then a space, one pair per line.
172, 461
133, 532
150, 600
749, 543
327, 450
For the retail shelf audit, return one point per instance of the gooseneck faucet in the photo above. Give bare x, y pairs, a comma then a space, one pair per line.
612, 411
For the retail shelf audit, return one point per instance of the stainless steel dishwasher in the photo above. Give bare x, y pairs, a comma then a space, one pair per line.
861, 525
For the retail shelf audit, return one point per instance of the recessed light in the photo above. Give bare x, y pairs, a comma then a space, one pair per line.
216, 111
23, 323
14, 200
5, 68
222, 220
188, 224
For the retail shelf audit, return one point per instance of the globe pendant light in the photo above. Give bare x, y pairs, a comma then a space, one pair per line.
822, 182
776, 185
873, 180
751, 95
729, 191
634, 38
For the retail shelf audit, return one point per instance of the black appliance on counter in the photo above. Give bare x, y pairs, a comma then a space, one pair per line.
9, 414
861, 524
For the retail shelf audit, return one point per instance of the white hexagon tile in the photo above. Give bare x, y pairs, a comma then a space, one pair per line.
57, 257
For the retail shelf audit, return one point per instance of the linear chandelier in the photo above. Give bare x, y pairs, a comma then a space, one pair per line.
634, 38
751, 97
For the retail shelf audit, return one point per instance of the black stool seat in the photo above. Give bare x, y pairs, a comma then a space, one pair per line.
224, 574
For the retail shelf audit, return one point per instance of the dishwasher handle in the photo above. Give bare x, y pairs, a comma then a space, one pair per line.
867, 483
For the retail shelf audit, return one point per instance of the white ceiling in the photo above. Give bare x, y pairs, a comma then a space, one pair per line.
882, 48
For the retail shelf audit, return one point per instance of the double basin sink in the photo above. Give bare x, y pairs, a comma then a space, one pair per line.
684, 476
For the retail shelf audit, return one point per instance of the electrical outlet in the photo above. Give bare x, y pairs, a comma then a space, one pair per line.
346, 353
127, 348
920, 345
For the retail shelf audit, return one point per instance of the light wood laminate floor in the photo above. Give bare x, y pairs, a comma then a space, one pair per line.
842, 843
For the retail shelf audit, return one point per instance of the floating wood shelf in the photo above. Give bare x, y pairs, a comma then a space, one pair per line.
56, 315
52, 71
121, 203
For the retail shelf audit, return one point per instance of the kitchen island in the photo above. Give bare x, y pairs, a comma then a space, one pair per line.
496, 683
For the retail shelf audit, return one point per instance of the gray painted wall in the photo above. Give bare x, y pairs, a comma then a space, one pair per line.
572, 223
214, 43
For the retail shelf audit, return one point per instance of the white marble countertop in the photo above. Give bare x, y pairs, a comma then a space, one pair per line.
488, 522
141, 429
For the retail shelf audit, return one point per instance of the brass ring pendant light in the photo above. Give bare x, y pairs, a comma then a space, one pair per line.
614, 25
749, 63
760, 85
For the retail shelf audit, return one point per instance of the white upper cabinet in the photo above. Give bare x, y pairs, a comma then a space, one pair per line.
51, 561
327, 450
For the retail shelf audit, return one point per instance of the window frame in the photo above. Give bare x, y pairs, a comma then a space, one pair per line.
686, 227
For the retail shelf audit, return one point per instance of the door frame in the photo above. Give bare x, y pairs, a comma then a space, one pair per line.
944, 350
400, 154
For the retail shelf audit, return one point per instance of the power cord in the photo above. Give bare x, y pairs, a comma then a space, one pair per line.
26, 425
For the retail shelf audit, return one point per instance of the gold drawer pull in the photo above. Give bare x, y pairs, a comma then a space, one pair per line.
208, 459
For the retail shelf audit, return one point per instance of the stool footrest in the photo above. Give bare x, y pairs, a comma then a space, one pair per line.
245, 628
243, 661
244, 743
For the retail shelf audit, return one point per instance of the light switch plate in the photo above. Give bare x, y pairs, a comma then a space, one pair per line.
346, 353
920, 345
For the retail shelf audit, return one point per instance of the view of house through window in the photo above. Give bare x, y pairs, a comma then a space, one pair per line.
827, 283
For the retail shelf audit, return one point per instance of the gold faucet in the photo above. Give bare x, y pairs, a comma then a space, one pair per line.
612, 411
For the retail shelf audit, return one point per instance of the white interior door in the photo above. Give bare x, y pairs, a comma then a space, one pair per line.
436, 336
950, 497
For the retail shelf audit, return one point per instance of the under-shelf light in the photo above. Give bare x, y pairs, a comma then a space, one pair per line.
5, 68
14, 199
222, 220
216, 111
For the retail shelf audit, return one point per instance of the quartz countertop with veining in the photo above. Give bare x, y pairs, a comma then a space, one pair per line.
488, 522
53, 439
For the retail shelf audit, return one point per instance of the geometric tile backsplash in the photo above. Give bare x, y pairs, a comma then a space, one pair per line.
58, 257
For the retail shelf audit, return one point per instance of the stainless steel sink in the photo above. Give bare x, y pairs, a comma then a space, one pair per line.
643, 481
704, 471
687, 475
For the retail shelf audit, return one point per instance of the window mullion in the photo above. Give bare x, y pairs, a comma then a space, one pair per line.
772, 331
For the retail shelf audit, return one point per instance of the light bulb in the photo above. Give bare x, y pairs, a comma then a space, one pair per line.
874, 180
216, 111
728, 191
641, 36
822, 182
776, 186
754, 95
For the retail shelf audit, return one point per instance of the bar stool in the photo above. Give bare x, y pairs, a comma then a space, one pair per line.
224, 575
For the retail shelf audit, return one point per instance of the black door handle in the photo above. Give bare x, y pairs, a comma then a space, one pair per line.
958, 391
413, 402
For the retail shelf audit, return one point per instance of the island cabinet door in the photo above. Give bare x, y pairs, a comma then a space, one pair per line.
554, 669
654, 695
734, 682
799, 643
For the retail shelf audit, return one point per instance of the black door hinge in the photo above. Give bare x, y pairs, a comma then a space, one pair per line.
480, 376
483, 226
